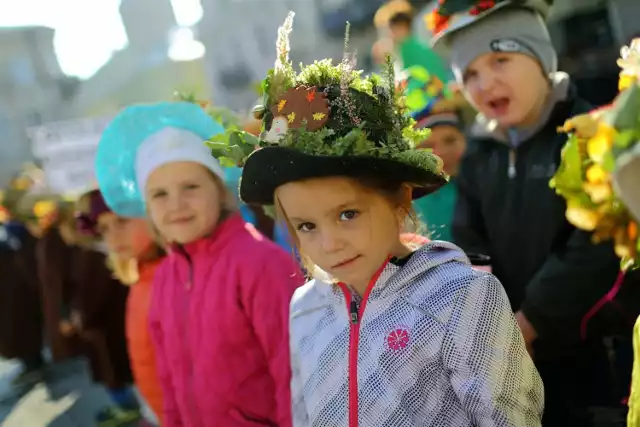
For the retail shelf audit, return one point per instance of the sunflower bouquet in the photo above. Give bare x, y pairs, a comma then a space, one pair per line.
585, 175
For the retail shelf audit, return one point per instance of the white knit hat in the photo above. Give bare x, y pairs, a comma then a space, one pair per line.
172, 145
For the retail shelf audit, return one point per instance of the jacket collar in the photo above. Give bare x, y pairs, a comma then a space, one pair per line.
147, 269
217, 240
393, 279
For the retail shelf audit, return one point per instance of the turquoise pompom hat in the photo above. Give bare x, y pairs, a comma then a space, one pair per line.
144, 137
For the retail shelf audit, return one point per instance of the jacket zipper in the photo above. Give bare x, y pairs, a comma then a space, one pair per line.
513, 142
355, 316
187, 300
512, 164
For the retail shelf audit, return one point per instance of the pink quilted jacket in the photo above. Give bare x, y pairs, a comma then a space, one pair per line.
219, 321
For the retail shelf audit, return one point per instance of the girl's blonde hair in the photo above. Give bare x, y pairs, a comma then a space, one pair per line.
392, 191
126, 270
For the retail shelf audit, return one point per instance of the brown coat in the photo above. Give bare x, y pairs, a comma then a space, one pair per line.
20, 311
54, 270
100, 300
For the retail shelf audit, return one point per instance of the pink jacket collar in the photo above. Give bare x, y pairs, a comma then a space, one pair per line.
221, 236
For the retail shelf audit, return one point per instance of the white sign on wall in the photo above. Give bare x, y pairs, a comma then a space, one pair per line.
67, 152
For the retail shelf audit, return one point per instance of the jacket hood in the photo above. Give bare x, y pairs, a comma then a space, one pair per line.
561, 90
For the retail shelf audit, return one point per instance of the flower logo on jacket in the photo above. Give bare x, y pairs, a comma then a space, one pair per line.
398, 339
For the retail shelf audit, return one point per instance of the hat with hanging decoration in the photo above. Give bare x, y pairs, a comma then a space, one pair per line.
328, 120
465, 29
451, 16
599, 174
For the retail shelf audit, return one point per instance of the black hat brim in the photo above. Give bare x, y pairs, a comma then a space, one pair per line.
270, 167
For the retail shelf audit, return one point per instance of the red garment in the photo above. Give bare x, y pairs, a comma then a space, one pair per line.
220, 323
142, 353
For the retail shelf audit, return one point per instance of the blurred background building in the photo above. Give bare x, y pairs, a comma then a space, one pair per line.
33, 90
144, 70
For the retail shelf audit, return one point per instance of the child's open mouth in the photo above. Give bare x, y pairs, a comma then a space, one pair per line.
499, 106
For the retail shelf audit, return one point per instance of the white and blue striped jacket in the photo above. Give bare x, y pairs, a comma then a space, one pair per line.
432, 343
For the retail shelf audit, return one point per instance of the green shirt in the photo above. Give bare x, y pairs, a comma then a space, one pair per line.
413, 52
436, 211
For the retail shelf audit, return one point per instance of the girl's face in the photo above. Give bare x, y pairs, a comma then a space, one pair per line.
344, 229
125, 237
507, 87
449, 143
184, 201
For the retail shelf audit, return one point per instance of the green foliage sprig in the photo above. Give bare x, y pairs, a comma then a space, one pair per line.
232, 147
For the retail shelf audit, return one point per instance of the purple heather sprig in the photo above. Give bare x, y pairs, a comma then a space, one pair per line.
348, 65
282, 42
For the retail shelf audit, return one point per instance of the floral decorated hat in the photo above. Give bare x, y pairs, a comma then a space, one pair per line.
599, 175
453, 15
40, 208
328, 120
28, 198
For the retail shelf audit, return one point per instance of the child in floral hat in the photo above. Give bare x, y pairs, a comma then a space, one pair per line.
385, 333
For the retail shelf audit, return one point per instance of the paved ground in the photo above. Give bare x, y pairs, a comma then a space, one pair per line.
68, 399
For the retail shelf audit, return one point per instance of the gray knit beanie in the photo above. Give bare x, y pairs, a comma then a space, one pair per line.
511, 29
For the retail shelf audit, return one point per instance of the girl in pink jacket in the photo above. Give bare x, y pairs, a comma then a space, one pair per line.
219, 314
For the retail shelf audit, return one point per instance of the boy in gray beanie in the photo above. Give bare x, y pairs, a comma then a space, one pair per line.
503, 58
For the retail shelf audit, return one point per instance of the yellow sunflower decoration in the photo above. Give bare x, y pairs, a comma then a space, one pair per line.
44, 208
595, 141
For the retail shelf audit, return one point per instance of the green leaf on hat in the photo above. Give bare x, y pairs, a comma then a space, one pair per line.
232, 146
626, 110
227, 162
